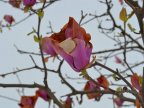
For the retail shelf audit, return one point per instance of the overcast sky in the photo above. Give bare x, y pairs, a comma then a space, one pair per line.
58, 14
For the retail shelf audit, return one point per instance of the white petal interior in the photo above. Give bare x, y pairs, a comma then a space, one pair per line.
68, 45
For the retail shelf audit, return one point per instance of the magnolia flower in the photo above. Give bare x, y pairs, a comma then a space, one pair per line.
43, 94
29, 3
9, 19
15, 3
28, 101
118, 101
71, 43
91, 86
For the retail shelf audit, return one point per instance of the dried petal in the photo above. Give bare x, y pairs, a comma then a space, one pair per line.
135, 80
43, 94
103, 81
28, 101
91, 86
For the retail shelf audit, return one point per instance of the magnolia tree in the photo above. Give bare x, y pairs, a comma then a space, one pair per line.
70, 61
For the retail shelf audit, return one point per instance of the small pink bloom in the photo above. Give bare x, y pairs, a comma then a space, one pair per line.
118, 60
9, 19
68, 102
91, 86
29, 3
72, 43
119, 102
28, 101
43, 94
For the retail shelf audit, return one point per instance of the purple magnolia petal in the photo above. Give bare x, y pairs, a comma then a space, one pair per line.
48, 46
29, 3
79, 58
119, 102
81, 54
43, 94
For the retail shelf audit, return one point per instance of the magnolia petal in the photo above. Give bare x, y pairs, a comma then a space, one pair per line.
73, 30
135, 81
43, 94
29, 3
68, 102
103, 81
68, 45
118, 101
90, 86
28, 101
81, 54
48, 46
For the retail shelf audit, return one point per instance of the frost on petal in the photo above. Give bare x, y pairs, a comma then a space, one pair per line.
135, 80
103, 81
28, 101
91, 86
43, 94
118, 101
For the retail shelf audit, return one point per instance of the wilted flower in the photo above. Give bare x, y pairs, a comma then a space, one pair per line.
43, 94
15, 3
135, 80
9, 19
72, 43
29, 3
91, 86
28, 101
103, 81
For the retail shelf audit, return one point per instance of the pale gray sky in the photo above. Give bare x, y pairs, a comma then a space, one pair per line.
58, 14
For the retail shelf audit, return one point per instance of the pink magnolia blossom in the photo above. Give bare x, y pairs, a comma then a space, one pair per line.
9, 19
71, 43
119, 102
28, 101
43, 94
29, 3
91, 86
